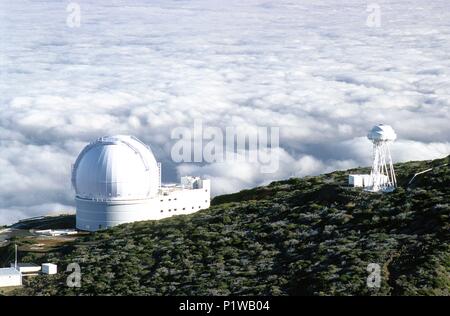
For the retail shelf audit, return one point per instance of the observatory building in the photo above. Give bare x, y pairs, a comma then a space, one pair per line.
382, 177
117, 180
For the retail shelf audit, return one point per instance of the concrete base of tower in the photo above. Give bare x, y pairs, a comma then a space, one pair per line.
383, 189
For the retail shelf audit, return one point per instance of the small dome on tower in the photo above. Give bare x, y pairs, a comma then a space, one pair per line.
116, 167
382, 132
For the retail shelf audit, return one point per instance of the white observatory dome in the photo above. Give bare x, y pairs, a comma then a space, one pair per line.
116, 168
382, 132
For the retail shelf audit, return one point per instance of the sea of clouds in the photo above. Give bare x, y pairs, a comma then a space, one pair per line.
315, 69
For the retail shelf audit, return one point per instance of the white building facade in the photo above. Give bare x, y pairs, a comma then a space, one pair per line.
359, 180
117, 180
10, 277
26, 268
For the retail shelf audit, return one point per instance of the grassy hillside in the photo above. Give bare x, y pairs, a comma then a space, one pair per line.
310, 236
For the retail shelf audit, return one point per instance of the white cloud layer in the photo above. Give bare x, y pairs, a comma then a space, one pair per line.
313, 68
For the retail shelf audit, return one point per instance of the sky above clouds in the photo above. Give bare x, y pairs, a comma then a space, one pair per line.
312, 68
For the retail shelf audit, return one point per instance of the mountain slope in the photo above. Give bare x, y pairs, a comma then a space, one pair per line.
310, 236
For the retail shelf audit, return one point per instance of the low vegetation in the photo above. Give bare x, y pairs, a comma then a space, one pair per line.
309, 236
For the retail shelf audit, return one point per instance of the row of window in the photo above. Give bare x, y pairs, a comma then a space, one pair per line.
118, 194
175, 198
170, 210
168, 200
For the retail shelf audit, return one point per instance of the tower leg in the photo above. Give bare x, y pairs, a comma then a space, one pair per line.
382, 175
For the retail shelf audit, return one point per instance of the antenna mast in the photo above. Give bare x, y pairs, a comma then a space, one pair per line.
15, 261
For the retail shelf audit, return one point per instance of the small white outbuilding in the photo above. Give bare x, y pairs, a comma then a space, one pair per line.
49, 268
10, 277
359, 180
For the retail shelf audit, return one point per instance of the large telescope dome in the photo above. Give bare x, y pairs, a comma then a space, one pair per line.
382, 132
116, 168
